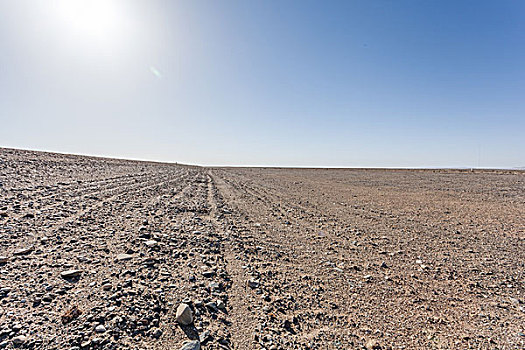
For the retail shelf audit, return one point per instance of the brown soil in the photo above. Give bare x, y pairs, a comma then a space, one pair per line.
300, 258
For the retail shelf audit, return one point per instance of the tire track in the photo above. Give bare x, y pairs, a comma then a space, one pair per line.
242, 321
82, 196
131, 190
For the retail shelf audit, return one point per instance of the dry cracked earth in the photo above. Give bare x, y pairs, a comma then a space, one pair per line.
105, 254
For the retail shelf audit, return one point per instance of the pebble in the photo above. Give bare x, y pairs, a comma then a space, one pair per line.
124, 257
372, 344
100, 328
212, 306
156, 333
208, 273
3, 259
203, 337
23, 251
151, 243
253, 283
191, 345
21, 339
184, 315
70, 273
214, 285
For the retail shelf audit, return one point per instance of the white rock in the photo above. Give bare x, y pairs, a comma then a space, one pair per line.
100, 328
151, 243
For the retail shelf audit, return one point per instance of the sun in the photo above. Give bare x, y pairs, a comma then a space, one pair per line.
93, 22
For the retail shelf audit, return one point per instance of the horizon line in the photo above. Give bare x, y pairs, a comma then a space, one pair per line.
520, 168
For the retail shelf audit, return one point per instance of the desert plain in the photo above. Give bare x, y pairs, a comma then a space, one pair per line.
99, 253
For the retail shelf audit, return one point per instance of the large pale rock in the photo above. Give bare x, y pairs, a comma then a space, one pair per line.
184, 315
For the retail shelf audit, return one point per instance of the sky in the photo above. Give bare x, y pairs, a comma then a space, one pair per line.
267, 83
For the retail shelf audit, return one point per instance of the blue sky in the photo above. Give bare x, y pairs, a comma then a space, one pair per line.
284, 83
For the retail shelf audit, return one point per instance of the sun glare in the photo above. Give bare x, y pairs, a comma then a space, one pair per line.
94, 22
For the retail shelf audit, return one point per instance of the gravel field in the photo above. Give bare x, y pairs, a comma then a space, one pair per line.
114, 254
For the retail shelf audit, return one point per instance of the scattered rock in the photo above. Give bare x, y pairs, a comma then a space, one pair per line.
253, 283
212, 306
71, 314
204, 336
24, 251
184, 316
151, 243
191, 345
372, 344
124, 257
19, 340
156, 333
208, 273
100, 328
70, 273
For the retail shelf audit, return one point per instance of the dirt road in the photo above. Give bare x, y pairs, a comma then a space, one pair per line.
265, 258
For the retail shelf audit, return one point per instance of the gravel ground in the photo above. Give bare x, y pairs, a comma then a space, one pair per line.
114, 254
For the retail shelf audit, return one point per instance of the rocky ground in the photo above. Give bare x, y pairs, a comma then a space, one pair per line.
114, 254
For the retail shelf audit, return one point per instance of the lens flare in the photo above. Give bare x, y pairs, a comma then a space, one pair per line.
155, 72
